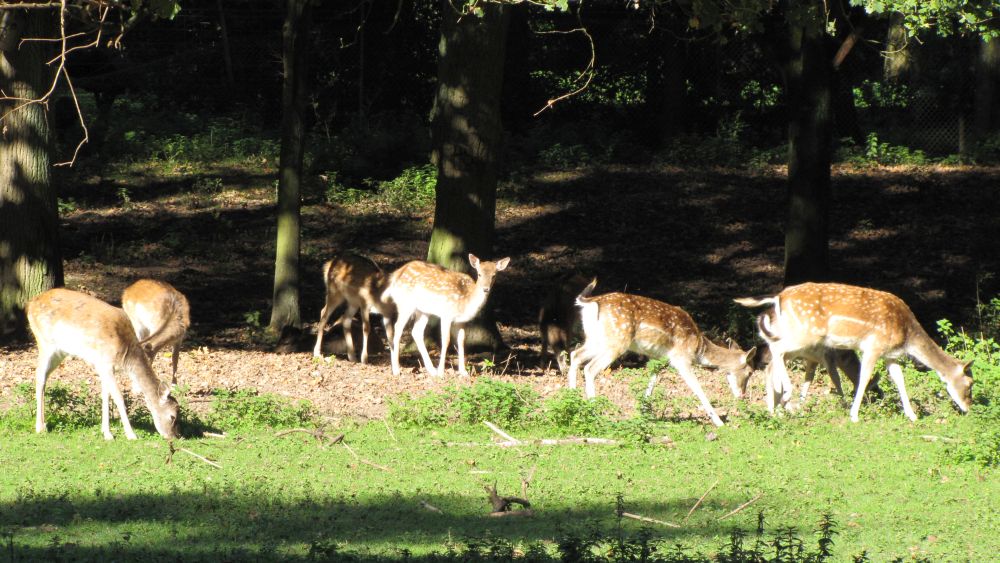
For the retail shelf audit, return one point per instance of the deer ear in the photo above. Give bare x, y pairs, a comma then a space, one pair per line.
967, 367
166, 394
750, 355
502, 263
473, 260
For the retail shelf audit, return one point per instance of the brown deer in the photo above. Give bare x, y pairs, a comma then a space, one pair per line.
815, 316
360, 282
65, 323
833, 360
559, 320
428, 289
615, 323
160, 316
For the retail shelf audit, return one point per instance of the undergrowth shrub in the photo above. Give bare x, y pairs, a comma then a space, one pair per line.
568, 410
246, 408
66, 407
414, 188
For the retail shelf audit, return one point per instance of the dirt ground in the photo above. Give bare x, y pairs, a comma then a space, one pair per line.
694, 238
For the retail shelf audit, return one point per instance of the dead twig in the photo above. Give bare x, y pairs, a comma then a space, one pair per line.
526, 480
701, 498
365, 461
212, 435
648, 519
500, 432
931, 438
502, 504
742, 506
319, 433
389, 428
430, 507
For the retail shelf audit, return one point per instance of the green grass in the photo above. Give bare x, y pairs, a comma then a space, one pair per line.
71, 494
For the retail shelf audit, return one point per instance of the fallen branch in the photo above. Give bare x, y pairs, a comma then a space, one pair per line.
930, 438
199, 456
539, 442
648, 519
502, 504
365, 461
513, 513
213, 435
742, 506
430, 507
500, 432
690, 512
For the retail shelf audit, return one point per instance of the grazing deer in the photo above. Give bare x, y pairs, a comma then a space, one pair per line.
428, 289
359, 282
834, 360
67, 323
559, 320
815, 316
160, 316
615, 323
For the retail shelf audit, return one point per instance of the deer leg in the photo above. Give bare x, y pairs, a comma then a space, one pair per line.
581, 355
780, 382
333, 300
868, 360
347, 321
366, 328
402, 318
175, 357
769, 387
687, 374
110, 386
807, 379
896, 375
445, 339
418, 337
598, 364
460, 344
48, 360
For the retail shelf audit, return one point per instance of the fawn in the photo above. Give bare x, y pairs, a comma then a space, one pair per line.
454, 297
160, 316
814, 316
615, 323
559, 321
67, 322
360, 282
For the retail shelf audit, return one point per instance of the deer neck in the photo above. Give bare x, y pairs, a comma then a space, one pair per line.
924, 349
142, 377
711, 354
471, 298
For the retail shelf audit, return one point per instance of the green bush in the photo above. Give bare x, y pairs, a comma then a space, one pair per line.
427, 410
246, 408
496, 401
414, 188
568, 410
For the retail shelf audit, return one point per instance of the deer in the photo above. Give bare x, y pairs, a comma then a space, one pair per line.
160, 316
877, 324
427, 289
614, 323
834, 360
559, 320
359, 282
66, 322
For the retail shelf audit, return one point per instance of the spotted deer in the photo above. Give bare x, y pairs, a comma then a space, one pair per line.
359, 282
559, 320
66, 323
834, 360
615, 323
427, 289
877, 324
160, 316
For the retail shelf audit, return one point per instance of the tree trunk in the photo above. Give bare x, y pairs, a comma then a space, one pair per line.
987, 76
899, 65
808, 84
30, 261
295, 35
466, 136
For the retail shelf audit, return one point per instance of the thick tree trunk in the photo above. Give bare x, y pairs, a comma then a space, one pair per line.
808, 84
899, 64
466, 136
987, 116
295, 33
30, 261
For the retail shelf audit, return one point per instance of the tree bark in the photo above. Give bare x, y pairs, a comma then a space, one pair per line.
466, 136
899, 65
30, 261
987, 77
295, 34
808, 72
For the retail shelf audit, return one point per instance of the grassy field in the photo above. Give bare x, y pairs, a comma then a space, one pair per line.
892, 491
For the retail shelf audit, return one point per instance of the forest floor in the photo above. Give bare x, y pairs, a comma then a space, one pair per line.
692, 237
